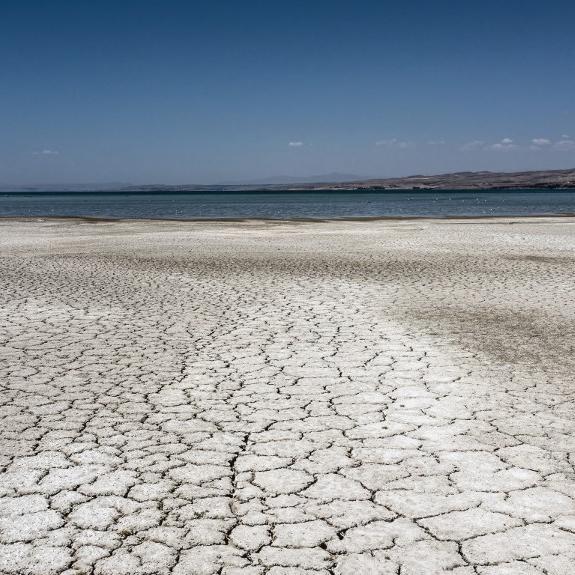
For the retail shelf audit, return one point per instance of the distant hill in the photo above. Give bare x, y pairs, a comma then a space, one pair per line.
63, 187
539, 179
551, 179
478, 180
333, 177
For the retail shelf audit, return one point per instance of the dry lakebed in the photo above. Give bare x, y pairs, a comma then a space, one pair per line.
384, 397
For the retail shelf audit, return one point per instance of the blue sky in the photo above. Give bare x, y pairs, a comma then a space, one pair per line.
192, 92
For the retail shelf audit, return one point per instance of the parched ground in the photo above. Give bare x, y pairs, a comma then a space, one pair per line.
287, 398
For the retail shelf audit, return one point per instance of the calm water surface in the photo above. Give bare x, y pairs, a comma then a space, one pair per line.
283, 205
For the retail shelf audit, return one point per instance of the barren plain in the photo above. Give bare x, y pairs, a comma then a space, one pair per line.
282, 398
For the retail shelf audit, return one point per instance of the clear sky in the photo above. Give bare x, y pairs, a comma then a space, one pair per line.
212, 91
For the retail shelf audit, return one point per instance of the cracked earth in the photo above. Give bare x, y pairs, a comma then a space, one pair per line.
259, 398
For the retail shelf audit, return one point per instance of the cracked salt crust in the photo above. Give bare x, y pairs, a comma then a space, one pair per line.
279, 398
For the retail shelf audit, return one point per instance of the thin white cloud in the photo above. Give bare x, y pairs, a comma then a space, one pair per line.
565, 137
565, 145
473, 145
395, 143
504, 145
436, 142
479, 145
295, 144
539, 143
47, 152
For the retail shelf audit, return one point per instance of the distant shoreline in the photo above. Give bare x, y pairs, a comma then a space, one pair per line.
317, 190
456, 181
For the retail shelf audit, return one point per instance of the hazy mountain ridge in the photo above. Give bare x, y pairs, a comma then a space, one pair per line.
334, 177
484, 180
480, 180
552, 179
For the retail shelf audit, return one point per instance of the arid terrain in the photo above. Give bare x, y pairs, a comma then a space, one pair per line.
484, 180
282, 398
537, 179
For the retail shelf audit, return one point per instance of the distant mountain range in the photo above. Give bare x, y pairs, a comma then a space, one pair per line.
551, 179
102, 186
478, 181
546, 179
334, 177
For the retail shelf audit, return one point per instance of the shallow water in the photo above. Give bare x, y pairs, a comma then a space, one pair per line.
282, 205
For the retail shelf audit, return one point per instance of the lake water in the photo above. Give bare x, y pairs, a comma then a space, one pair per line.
285, 205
